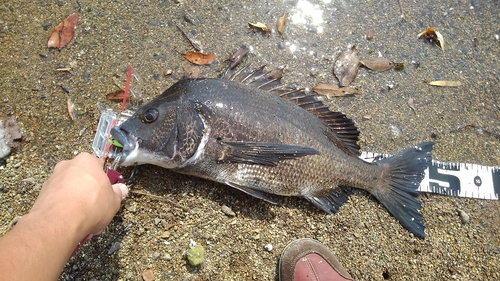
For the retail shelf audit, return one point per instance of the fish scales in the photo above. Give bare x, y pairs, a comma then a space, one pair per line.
260, 143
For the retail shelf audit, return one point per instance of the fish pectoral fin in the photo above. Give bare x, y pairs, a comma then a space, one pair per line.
332, 202
262, 153
255, 193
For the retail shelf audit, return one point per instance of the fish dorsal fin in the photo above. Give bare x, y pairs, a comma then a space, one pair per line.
346, 132
344, 128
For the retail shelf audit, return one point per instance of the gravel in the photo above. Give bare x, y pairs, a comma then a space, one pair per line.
369, 242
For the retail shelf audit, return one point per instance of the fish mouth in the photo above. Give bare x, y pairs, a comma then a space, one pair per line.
128, 141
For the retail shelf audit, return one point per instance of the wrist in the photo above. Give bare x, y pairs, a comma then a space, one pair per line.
62, 221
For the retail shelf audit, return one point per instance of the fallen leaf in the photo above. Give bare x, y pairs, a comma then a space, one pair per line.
346, 66
433, 36
199, 58
235, 59
444, 83
378, 64
259, 25
238, 56
147, 275
116, 95
280, 25
333, 90
63, 33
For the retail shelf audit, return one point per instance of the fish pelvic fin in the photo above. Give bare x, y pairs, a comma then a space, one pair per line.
254, 192
332, 202
403, 174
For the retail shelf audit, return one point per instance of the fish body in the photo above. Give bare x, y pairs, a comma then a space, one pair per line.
268, 140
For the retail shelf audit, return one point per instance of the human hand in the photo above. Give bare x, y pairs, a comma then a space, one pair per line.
80, 192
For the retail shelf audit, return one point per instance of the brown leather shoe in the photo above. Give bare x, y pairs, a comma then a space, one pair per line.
309, 260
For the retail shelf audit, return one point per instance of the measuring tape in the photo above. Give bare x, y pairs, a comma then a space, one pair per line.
456, 179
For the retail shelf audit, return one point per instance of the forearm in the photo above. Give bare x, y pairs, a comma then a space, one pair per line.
38, 247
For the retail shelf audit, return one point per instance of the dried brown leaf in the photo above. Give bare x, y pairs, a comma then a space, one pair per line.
280, 25
378, 64
116, 95
346, 66
433, 36
63, 33
259, 25
333, 90
199, 58
238, 56
444, 83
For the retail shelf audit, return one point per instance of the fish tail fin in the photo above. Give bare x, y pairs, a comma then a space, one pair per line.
404, 172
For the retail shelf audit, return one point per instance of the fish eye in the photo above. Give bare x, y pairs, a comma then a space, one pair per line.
150, 115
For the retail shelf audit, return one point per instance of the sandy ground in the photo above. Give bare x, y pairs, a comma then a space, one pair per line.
165, 210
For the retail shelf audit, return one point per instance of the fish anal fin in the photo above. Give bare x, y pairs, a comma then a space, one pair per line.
255, 193
261, 153
331, 202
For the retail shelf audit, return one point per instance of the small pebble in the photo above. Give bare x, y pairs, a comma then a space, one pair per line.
131, 208
156, 255
268, 247
115, 247
464, 217
165, 235
157, 220
370, 35
147, 275
196, 255
14, 221
226, 210
86, 76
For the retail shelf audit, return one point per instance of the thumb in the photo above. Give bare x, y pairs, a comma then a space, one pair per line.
121, 190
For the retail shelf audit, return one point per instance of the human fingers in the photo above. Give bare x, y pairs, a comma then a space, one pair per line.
121, 190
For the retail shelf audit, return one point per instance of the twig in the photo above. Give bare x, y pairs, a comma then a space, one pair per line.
403, 16
195, 45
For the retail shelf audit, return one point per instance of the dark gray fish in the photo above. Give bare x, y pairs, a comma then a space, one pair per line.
255, 135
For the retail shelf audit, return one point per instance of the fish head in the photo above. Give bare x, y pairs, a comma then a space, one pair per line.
166, 132
149, 136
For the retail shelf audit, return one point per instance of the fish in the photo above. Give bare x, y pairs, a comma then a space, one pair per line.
252, 133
